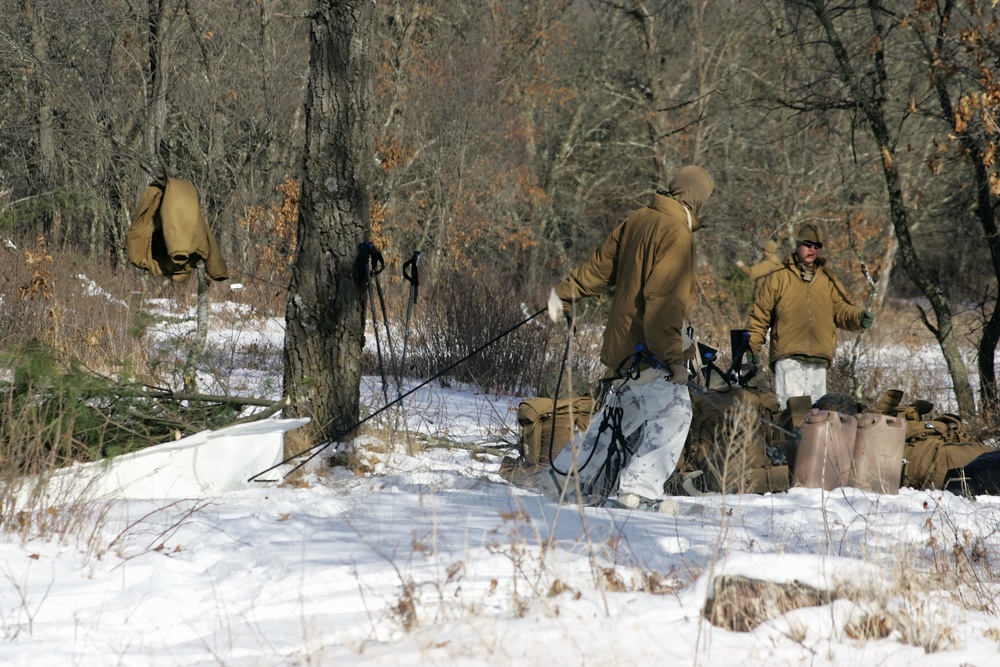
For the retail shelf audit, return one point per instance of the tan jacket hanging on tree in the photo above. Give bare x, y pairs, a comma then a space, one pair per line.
169, 233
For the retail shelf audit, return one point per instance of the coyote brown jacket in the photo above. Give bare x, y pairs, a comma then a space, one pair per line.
802, 316
650, 259
763, 268
169, 233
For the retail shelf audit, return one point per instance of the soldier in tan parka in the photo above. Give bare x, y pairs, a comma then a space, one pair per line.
802, 304
771, 262
650, 260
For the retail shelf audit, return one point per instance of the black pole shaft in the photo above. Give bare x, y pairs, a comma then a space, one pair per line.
320, 447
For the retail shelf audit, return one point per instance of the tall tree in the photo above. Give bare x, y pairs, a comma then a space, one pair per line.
47, 180
325, 315
961, 47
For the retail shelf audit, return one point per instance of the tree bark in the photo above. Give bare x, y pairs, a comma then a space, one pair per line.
196, 353
980, 158
657, 121
325, 315
156, 85
45, 116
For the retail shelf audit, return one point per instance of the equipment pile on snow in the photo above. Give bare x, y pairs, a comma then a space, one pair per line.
741, 440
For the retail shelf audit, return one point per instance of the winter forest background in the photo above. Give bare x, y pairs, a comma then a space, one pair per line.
510, 136
502, 139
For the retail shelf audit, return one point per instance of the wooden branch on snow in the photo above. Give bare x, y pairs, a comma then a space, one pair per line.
264, 414
271, 407
209, 398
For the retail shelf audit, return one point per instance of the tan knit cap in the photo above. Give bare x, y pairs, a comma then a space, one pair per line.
808, 232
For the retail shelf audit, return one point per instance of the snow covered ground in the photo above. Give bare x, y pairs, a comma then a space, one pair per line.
433, 559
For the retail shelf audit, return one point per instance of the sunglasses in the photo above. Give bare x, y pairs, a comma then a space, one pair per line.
812, 246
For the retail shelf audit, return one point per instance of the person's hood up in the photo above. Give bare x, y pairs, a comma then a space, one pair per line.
691, 186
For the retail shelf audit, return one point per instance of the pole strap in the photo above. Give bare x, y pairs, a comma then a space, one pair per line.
411, 272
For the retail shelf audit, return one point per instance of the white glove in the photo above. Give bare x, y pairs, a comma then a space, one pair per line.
555, 307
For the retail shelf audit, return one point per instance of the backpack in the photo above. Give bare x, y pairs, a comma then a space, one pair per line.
934, 446
750, 462
536, 445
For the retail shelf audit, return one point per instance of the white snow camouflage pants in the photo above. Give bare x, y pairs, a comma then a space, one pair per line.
798, 378
656, 416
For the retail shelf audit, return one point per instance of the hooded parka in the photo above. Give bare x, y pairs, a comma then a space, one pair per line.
650, 258
802, 315
764, 267
169, 233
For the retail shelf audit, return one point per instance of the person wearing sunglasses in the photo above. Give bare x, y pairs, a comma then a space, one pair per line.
802, 305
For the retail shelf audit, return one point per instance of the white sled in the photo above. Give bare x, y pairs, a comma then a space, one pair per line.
202, 464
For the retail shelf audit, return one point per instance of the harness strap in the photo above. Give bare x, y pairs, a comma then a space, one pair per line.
618, 450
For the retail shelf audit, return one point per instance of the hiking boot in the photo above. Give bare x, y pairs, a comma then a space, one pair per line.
634, 502
631, 501
548, 483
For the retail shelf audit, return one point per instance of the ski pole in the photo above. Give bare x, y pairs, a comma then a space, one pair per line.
373, 265
413, 277
385, 315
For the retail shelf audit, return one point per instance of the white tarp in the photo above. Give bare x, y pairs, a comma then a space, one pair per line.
202, 464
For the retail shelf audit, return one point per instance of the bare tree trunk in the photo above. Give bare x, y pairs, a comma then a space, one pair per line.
46, 155
197, 350
657, 121
980, 158
325, 316
986, 214
156, 85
